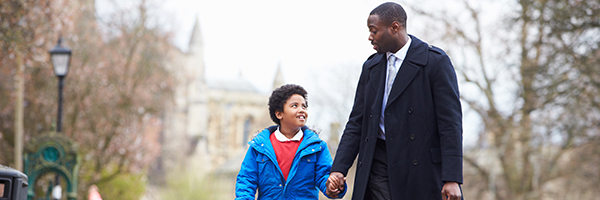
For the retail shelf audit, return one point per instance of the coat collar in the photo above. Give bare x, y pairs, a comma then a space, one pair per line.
416, 57
417, 54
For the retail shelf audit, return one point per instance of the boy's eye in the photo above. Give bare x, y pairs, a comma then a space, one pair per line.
293, 106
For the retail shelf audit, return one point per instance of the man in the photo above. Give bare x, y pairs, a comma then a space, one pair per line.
406, 122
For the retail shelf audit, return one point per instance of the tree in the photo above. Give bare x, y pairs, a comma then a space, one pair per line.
541, 60
333, 103
115, 90
25, 33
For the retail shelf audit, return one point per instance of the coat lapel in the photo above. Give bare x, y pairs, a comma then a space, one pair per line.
416, 57
377, 77
377, 72
405, 75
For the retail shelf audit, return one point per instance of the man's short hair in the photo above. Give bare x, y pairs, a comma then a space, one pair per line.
390, 12
281, 95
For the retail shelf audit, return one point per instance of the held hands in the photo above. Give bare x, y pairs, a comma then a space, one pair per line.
451, 191
335, 184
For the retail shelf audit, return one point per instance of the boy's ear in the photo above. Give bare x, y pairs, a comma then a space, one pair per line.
279, 114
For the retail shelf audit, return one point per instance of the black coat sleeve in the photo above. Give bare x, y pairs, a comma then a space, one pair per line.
350, 142
448, 115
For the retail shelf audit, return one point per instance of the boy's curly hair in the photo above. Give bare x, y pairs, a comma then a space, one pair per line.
281, 95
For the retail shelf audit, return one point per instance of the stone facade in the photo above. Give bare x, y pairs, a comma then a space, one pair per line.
207, 126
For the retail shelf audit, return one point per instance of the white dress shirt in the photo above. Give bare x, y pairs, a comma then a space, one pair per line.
393, 68
279, 136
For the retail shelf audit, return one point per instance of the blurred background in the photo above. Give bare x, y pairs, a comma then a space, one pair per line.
162, 95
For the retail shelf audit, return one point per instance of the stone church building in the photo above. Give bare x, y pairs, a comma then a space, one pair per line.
210, 121
208, 124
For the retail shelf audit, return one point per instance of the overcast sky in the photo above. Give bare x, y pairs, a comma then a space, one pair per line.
254, 37
305, 37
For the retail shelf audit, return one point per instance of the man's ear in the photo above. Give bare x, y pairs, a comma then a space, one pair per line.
396, 27
279, 114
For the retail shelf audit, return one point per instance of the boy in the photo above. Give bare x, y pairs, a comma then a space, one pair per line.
287, 160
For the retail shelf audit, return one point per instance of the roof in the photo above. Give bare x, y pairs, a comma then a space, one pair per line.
240, 85
10, 172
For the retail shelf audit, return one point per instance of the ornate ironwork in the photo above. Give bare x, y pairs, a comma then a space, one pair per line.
52, 152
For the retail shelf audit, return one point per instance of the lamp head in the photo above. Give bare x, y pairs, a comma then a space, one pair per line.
61, 58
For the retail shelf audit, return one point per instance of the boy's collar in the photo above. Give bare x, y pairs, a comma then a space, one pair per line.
280, 137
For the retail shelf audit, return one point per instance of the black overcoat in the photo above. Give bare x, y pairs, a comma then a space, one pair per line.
423, 122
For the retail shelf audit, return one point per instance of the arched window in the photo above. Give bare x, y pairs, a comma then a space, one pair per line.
247, 131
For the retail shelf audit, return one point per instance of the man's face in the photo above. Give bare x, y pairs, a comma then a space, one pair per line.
380, 34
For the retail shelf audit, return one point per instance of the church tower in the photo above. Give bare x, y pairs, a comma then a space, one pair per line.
196, 52
278, 81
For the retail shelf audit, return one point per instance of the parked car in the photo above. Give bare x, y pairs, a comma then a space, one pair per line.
13, 184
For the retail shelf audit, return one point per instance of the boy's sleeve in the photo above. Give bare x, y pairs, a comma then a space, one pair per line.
247, 178
322, 171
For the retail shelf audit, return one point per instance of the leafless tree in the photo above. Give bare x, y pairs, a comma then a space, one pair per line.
534, 81
332, 94
115, 90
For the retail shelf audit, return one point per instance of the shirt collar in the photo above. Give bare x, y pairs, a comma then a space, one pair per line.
279, 136
401, 54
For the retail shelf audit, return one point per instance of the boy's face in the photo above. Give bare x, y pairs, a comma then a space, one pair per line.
294, 113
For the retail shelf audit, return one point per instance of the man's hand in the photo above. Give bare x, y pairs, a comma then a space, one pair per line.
451, 191
335, 184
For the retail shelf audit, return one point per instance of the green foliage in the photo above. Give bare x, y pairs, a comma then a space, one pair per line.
183, 186
124, 187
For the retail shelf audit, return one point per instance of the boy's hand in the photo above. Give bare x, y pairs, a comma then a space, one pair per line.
335, 184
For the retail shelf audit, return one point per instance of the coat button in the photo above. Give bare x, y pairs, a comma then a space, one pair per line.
308, 160
279, 185
359, 164
410, 111
412, 136
366, 139
415, 162
388, 114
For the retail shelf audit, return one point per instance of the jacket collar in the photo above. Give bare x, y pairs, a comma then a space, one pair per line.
262, 141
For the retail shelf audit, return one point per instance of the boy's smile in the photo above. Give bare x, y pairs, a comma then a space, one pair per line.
294, 113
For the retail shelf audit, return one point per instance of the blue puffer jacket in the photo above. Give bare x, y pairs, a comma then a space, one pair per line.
260, 170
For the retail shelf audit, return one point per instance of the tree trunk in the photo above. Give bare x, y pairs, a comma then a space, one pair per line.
20, 82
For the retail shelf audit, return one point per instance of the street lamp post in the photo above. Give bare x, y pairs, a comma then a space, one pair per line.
61, 58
